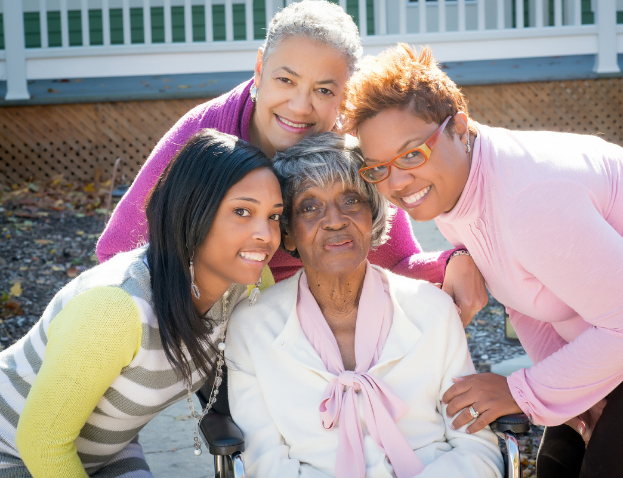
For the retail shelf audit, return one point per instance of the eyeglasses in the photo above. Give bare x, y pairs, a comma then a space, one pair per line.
413, 158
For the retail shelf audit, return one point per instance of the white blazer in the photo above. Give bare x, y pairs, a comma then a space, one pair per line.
276, 381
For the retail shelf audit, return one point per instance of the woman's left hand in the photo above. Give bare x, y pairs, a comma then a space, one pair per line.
465, 284
488, 393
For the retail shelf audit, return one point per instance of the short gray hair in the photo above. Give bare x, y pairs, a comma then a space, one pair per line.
317, 20
323, 160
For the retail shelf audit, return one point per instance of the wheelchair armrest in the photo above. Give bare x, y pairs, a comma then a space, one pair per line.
221, 434
516, 423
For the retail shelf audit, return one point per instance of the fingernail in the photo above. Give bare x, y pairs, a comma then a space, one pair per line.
467, 431
581, 430
457, 379
452, 426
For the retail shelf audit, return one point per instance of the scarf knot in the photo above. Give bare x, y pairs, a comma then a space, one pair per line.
347, 378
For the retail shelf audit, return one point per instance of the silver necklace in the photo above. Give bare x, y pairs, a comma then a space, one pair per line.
198, 416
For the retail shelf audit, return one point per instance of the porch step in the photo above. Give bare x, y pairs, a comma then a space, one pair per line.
209, 85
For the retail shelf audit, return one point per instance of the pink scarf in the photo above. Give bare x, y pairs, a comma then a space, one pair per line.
381, 407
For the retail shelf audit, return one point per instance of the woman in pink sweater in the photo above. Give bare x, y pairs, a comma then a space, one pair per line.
310, 51
542, 215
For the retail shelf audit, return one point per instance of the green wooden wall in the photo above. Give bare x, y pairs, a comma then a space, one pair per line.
137, 35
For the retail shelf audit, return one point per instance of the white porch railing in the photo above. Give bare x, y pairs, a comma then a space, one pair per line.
456, 30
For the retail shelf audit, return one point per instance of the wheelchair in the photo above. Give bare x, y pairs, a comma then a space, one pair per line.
225, 441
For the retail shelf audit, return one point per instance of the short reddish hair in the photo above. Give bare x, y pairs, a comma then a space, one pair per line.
401, 78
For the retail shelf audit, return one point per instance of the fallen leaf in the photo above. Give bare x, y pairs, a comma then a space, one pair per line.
13, 307
79, 233
16, 289
182, 418
481, 322
25, 214
57, 268
72, 272
183, 87
43, 242
23, 268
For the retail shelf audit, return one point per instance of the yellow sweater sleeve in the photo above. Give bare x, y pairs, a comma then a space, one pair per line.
267, 280
97, 333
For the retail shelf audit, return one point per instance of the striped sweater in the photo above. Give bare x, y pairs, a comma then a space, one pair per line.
111, 308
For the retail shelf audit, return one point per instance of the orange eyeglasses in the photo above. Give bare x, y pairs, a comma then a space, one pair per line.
411, 159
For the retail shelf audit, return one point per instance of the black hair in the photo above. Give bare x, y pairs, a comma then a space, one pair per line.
180, 211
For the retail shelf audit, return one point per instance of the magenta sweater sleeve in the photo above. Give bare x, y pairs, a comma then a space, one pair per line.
128, 227
576, 254
403, 255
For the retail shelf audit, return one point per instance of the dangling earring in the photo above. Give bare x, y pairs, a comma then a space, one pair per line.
193, 286
469, 147
253, 93
255, 293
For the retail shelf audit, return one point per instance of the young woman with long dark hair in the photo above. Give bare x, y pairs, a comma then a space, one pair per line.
126, 339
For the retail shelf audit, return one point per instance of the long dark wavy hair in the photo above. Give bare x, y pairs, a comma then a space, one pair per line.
180, 211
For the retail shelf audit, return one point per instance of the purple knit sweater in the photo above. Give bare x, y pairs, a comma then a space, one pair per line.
231, 113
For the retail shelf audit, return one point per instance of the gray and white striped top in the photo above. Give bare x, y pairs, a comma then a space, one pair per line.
143, 389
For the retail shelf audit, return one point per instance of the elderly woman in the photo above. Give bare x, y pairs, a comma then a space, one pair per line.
542, 215
340, 370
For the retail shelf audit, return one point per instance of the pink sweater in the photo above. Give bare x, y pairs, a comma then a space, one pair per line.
542, 216
231, 113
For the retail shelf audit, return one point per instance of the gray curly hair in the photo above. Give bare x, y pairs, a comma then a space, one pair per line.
317, 20
323, 160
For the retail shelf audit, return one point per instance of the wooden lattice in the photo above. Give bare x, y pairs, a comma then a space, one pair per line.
76, 140
582, 106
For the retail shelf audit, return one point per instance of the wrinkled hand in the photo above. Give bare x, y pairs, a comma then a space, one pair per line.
465, 284
585, 423
488, 393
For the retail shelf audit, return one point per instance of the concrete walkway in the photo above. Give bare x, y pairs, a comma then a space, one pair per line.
168, 439
168, 445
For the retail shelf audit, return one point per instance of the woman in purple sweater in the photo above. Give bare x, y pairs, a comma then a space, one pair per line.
310, 51
542, 215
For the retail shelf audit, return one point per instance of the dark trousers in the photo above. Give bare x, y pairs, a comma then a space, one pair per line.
562, 453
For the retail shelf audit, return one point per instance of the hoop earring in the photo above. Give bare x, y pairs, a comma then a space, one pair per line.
193, 286
253, 93
255, 293
469, 146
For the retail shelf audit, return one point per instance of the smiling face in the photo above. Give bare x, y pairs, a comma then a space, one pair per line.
431, 189
244, 235
300, 87
330, 228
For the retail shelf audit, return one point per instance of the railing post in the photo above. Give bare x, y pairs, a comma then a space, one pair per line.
606, 60
363, 18
382, 18
15, 51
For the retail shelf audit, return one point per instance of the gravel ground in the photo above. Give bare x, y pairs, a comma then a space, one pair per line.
42, 252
